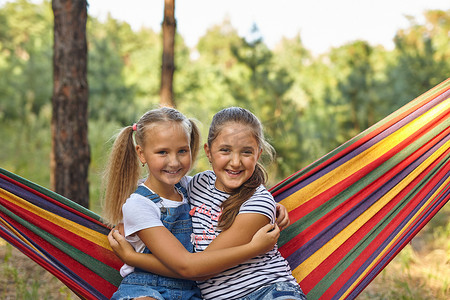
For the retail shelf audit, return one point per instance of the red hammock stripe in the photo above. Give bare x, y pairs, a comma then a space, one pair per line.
439, 96
94, 223
89, 248
310, 232
420, 223
386, 234
76, 276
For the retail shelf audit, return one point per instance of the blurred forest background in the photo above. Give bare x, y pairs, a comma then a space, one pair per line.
308, 104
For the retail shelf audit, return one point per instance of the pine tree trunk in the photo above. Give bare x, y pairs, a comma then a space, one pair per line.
70, 155
168, 65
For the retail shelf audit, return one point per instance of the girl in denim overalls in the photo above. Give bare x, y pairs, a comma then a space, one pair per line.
156, 216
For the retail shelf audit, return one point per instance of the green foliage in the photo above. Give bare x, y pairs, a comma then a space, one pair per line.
101, 135
109, 98
27, 145
25, 58
421, 57
355, 86
308, 105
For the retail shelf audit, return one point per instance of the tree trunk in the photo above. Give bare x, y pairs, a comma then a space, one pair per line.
70, 155
168, 65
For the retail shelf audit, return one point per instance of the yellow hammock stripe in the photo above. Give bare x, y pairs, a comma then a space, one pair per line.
378, 258
71, 226
18, 234
326, 250
358, 162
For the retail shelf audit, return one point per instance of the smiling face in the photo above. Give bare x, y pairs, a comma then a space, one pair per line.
168, 155
233, 155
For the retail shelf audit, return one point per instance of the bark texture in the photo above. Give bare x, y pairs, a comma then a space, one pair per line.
70, 155
168, 62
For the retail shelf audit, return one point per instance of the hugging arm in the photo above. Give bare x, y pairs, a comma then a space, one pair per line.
149, 262
244, 227
123, 249
241, 231
170, 258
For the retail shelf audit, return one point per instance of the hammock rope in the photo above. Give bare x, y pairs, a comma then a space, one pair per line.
351, 211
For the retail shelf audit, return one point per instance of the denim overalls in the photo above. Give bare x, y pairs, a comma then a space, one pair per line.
142, 283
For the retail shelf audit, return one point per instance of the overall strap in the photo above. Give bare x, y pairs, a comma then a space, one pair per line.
143, 191
182, 189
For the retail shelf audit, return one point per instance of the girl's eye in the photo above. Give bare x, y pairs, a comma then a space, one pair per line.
162, 152
224, 150
183, 151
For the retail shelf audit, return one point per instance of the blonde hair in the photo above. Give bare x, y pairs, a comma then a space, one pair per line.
122, 171
242, 116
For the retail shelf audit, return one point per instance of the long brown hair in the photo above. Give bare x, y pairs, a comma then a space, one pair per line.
242, 116
122, 171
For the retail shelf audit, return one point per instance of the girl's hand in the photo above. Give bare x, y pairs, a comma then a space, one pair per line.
120, 245
122, 229
265, 238
282, 217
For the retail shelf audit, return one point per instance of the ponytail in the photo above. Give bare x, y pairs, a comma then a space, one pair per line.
121, 176
195, 140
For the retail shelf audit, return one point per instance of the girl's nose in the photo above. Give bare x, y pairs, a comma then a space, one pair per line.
235, 160
173, 160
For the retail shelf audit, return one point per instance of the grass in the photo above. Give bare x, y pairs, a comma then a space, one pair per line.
421, 271
24, 279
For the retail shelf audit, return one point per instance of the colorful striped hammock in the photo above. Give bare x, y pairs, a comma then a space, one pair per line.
351, 211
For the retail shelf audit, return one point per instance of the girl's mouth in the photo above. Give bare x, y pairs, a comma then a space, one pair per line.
233, 173
172, 172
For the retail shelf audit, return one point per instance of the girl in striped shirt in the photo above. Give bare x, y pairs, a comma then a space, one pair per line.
230, 203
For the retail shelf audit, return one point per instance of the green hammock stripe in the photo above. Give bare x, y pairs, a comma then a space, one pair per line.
108, 273
436, 90
356, 188
52, 195
372, 236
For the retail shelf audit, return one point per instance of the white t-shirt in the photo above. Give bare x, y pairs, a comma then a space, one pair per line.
245, 278
140, 213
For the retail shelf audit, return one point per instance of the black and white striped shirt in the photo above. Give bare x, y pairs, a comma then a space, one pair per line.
245, 278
